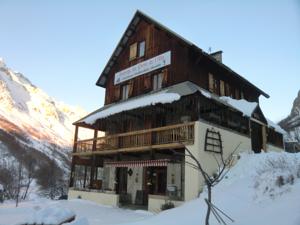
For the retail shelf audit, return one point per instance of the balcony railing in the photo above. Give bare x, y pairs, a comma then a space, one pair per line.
150, 138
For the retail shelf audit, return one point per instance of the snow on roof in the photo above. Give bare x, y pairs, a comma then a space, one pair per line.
275, 126
242, 105
152, 99
169, 95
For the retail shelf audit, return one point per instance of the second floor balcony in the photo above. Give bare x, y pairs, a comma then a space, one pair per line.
167, 137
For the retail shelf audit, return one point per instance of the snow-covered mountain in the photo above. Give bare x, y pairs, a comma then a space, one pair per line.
33, 126
292, 123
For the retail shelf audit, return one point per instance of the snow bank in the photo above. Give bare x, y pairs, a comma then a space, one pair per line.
153, 99
87, 213
53, 214
81, 221
242, 197
250, 194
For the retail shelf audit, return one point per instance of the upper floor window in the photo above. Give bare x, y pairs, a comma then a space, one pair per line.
212, 83
142, 46
222, 88
137, 50
237, 94
157, 81
227, 90
125, 92
133, 51
242, 95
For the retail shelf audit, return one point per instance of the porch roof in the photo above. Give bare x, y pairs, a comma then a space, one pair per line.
169, 95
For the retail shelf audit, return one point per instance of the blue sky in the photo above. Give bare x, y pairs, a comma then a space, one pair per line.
62, 46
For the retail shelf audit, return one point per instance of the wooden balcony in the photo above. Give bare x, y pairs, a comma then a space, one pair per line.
168, 137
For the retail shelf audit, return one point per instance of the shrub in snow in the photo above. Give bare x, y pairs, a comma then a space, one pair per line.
81, 221
280, 181
276, 175
167, 205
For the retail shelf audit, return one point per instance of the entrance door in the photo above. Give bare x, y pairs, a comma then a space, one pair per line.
121, 180
256, 137
155, 182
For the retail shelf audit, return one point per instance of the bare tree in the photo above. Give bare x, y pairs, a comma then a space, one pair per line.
31, 170
19, 183
223, 165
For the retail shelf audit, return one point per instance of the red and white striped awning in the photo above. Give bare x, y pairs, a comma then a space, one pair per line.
139, 163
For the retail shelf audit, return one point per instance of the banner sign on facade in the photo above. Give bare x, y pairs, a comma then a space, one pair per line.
143, 67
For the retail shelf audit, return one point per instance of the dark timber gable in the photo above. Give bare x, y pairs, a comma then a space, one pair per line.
188, 62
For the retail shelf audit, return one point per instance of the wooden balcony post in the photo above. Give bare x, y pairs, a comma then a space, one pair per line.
75, 139
93, 158
71, 182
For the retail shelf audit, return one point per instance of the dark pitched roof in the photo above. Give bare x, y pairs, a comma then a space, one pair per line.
130, 30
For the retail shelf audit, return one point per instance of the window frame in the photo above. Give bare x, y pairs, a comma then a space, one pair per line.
125, 92
133, 46
139, 49
157, 81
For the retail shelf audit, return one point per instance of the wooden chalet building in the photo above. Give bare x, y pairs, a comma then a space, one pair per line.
163, 95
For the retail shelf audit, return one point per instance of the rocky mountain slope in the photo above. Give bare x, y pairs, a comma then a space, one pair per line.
292, 123
33, 126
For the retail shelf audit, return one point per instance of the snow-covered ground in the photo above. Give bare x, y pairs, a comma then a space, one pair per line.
260, 189
87, 212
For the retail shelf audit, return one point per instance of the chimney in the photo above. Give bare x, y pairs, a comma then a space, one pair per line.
217, 55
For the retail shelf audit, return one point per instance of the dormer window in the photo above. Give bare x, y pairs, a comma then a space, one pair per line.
157, 81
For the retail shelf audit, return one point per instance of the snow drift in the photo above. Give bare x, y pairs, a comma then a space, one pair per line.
257, 190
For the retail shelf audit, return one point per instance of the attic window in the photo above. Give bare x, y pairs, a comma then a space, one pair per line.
133, 51
142, 49
212, 83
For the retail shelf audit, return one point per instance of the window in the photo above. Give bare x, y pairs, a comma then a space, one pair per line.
227, 89
242, 95
213, 83
137, 50
222, 88
142, 49
157, 81
133, 51
125, 92
237, 94
82, 176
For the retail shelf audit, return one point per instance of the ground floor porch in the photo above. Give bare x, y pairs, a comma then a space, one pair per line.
142, 180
